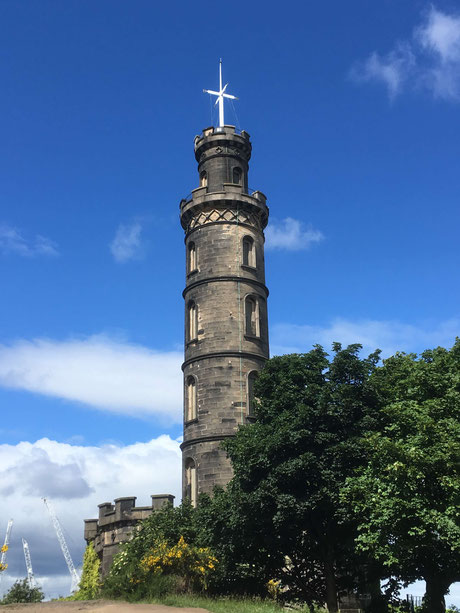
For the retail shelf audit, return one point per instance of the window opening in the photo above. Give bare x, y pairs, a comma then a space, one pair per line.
252, 316
192, 321
190, 481
203, 179
249, 253
250, 400
237, 175
191, 257
190, 399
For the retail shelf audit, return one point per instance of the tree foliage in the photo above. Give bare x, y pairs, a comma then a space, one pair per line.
21, 591
350, 475
90, 581
282, 513
407, 497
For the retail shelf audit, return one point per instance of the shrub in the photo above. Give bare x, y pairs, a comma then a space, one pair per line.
192, 564
163, 569
90, 582
22, 592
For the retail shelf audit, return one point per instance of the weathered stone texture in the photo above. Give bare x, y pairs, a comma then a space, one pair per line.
216, 220
116, 523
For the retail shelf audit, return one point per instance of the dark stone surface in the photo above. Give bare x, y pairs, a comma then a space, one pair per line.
216, 219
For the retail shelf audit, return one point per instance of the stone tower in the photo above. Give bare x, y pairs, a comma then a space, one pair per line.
226, 327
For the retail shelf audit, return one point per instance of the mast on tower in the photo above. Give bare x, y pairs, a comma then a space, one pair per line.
220, 96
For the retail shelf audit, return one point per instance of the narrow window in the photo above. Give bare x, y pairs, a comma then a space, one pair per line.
252, 316
237, 175
250, 400
192, 321
249, 253
191, 257
190, 399
190, 481
203, 179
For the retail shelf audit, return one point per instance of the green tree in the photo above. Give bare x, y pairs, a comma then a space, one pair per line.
284, 514
407, 497
90, 582
22, 592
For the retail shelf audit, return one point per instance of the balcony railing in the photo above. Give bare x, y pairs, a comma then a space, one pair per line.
244, 190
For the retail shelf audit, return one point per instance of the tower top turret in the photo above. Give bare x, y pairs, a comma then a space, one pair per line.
223, 156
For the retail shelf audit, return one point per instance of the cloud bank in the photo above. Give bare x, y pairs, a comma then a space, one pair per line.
127, 243
13, 242
389, 336
429, 60
98, 371
291, 234
76, 479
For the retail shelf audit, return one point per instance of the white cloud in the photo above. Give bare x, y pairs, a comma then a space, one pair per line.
97, 371
127, 243
392, 69
441, 35
429, 60
291, 234
108, 472
440, 38
389, 336
13, 242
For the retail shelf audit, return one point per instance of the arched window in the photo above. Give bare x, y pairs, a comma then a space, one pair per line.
191, 257
237, 175
250, 400
251, 311
190, 399
203, 178
249, 252
192, 321
190, 481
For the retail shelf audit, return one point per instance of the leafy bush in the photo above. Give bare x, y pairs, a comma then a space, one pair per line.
22, 592
90, 581
163, 569
193, 564
172, 535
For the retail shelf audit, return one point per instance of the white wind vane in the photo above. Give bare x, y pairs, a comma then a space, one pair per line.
220, 96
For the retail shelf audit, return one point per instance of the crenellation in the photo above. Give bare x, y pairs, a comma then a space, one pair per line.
116, 524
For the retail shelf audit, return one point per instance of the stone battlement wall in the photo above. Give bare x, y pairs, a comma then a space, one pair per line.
116, 523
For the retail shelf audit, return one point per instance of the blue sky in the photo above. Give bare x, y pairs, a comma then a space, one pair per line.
354, 115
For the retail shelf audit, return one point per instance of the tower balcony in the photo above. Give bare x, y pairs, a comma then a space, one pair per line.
232, 196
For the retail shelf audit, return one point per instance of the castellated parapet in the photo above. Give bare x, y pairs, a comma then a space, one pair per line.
116, 523
226, 322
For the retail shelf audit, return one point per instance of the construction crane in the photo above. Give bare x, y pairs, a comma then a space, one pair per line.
5, 544
30, 572
75, 579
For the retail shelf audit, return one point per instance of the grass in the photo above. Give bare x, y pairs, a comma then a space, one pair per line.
221, 605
